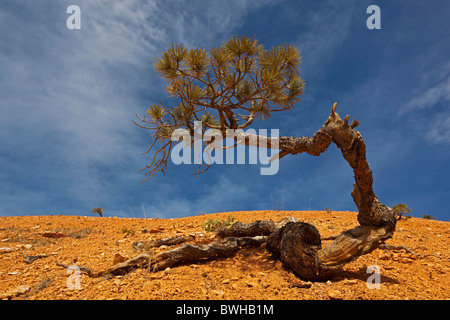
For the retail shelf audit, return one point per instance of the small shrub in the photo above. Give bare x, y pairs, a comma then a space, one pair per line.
80, 233
427, 216
212, 225
98, 210
400, 210
327, 210
128, 232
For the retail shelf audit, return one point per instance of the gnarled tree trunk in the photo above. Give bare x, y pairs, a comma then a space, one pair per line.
298, 244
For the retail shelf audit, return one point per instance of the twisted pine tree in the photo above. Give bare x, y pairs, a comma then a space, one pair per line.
227, 88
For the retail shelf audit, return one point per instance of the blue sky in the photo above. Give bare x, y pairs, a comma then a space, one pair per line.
68, 98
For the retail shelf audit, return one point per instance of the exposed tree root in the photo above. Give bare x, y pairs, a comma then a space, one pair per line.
146, 245
186, 254
31, 259
240, 229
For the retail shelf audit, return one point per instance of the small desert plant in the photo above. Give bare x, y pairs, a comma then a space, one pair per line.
400, 210
327, 210
212, 225
98, 210
128, 232
427, 216
80, 233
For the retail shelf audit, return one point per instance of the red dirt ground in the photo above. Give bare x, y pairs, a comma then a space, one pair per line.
251, 274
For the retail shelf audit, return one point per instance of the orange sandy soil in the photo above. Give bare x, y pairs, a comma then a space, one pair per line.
251, 274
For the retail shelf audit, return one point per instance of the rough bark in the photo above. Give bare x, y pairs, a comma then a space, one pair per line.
147, 245
353, 148
298, 245
239, 229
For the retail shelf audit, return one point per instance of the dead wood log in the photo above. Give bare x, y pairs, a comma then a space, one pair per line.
186, 254
147, 245
240, 229
31, 259
189, 253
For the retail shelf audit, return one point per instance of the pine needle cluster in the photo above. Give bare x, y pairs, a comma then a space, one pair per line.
213, 85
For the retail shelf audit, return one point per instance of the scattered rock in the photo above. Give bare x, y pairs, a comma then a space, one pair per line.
17, 291
53, 234
251, 284
350, 281
334, 294
6, 249
159, 230
118, 258
218, 292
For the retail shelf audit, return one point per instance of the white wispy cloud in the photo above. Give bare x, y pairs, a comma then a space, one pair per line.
438, 130
70, 95
428, 111
438, 93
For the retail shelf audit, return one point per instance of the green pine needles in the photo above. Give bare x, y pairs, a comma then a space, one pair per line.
215, 86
